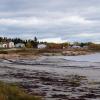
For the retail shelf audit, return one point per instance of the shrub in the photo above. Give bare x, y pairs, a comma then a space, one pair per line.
12, 92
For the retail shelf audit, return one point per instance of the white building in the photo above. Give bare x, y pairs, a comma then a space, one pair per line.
7, 45
76, 47
42, 46
11, 45
20, 45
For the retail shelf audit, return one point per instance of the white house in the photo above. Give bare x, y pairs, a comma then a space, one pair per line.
20, 45
7, 45
3, 45
11, 45
42, 46
76, 47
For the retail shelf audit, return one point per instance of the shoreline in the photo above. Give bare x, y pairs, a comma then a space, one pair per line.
35, 53
53, 78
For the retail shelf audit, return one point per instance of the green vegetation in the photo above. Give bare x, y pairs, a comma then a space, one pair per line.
12, 92
51, 47
29, 51
29, 43
94, 47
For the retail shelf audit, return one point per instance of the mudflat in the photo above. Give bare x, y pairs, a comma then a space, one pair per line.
53, 77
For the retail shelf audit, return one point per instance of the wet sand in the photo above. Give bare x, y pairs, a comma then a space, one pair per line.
54, 78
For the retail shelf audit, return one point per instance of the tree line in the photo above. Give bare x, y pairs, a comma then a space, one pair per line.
29, 43
33, 43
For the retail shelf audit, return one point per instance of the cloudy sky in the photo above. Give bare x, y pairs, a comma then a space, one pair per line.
51, 20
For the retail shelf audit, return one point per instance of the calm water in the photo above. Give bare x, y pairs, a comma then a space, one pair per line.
90, 58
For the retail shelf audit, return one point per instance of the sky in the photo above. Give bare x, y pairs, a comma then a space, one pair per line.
51, 20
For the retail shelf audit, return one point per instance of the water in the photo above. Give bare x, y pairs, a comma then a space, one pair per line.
29, 73
86, 65
89, 58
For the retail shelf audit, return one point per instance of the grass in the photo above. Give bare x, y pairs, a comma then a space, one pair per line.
12, 92
28, 51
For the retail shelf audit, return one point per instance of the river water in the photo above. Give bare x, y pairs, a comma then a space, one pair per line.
49, 76
90, 58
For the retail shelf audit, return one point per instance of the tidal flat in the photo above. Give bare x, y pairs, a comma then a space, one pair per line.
54, 77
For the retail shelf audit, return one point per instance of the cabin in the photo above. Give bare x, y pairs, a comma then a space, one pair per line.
7, 45
11, 45
20, 45
75, 47
42, 46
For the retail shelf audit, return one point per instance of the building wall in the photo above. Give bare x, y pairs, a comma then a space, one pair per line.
19, 45
40, 46
11, 45
5, 45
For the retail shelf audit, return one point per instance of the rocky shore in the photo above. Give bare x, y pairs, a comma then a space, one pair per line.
18, 56
53, 78
75, 53
35, 53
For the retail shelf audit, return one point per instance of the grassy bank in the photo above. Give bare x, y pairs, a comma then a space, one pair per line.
25, 51
32, 52
12, 92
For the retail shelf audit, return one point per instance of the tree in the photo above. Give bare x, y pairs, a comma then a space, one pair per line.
66, 44
35, 39
35, 42
28, 44
1, 39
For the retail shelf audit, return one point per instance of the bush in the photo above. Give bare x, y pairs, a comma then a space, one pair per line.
12, 92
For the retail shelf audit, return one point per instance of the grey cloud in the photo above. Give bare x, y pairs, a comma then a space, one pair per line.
65, 19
